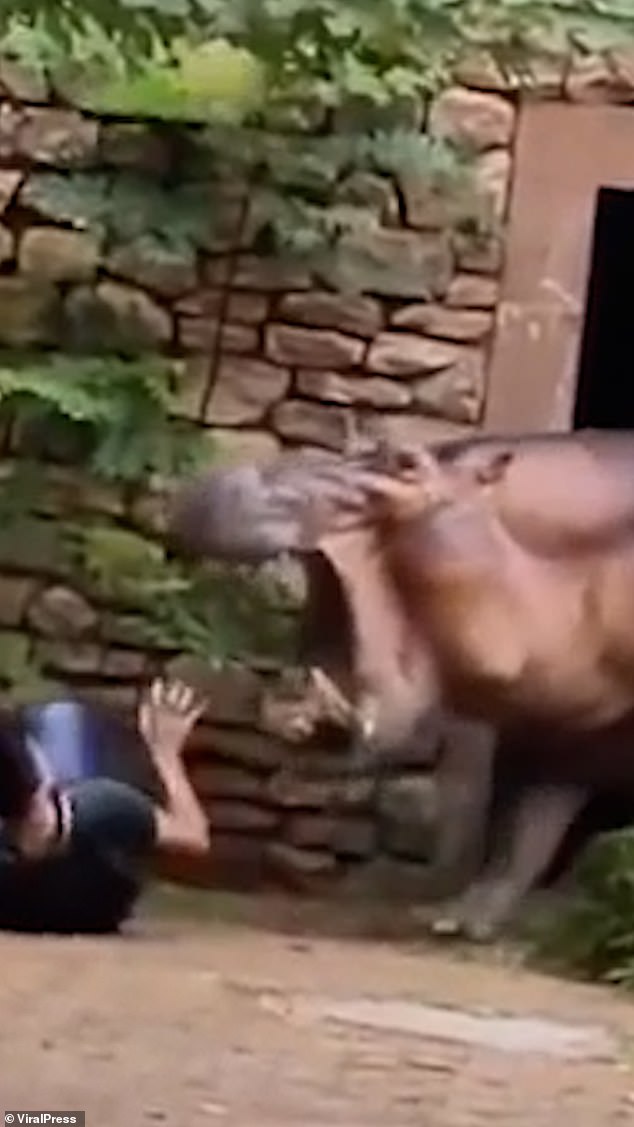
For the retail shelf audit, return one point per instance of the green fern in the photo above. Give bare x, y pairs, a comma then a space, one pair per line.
214, 613
594, 935
114, 414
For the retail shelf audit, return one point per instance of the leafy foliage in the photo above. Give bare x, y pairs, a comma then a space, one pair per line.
118, 415
595, 935
20, 674
122, 207
297, 203
373, 50
114, 416
275, 79
206, 611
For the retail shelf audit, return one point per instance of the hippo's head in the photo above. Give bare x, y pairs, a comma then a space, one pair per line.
252, 513
322, 509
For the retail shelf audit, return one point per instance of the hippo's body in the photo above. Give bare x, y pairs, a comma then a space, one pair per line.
488, 581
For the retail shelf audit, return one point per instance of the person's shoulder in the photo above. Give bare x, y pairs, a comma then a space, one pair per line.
105, 809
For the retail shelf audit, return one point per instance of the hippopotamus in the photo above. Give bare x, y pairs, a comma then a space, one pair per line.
483, 585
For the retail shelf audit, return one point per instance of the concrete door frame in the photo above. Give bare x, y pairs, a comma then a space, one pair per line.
564, 154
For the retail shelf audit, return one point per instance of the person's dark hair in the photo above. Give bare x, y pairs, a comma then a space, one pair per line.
18, 774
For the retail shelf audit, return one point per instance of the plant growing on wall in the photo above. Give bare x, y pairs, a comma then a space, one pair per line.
441, 27
285, 74
112, 421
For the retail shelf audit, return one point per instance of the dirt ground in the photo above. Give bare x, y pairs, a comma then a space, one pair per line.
246, 1014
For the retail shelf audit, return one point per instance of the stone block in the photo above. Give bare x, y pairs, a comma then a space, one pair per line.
354, 838
459, 325
15, 594
244, 391
427, 208
67, 490
405, 428
471, 291
233, 697
198, 334
121, 699
346, 837
217, 781
456, 394
231, 447
292, 791
29, 312
240, 817
76, 657
150, 513
407, 814
7, 244
405, 355
133, 145
477, 120
114, 317
312, 348
360, 114
346, 313
10, 181
621, 61
312, 423
303, 870
57, 136
592, 81
271, 275
58, 255
243, 308
11, 119
60, 612
310, 831
24, 83
367, 190
493, 181
479, 70
346, 391
124, 664
390, 263
478, 254
118, 630
230, 228
253, 749
545, 77
148, 264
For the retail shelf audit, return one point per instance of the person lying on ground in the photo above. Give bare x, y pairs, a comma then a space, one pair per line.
75, 858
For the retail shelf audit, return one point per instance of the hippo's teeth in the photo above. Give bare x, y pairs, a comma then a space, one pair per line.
331, 697
366, 719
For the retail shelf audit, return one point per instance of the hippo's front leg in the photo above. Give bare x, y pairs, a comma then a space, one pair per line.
538, 825
465, 781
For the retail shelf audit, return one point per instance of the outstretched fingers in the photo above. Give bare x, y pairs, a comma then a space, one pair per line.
176, 697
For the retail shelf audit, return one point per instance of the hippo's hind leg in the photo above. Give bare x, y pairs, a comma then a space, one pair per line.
465, 780
537, 826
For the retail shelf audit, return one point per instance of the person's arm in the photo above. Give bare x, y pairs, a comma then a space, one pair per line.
167, 715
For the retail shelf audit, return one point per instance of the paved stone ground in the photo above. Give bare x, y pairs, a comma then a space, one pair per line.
246, 1021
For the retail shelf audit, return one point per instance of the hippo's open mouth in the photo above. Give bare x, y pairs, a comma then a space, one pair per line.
356, 630
357, 646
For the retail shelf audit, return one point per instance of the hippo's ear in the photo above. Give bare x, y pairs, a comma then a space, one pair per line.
494, 469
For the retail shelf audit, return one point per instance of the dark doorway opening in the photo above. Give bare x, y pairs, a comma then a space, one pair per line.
605, 380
